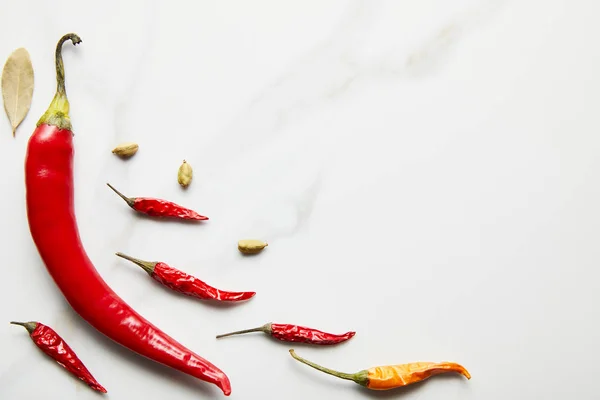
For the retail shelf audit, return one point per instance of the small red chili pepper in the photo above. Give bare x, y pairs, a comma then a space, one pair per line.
295, 333
158, 207
187, 284
53, 345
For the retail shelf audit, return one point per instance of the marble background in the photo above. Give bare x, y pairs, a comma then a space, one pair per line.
426, 173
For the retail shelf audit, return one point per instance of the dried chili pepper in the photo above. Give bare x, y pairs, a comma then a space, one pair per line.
295, 333
54, 346
183, 283
391, 376
159, 208
53, 226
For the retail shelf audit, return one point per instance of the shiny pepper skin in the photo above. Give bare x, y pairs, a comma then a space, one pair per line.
187, 284
164, 208
392, 376
53, 225
54, 346
184, 283
159, 208
296, 333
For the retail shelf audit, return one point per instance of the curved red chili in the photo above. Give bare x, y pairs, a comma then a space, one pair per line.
159, 208
181, 282
295, 333
54, 346
53, 226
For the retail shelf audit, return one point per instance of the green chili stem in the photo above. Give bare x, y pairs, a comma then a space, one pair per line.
30, 326
146, 265
128, 200
350, 377
60, 67
266, 328
57, 113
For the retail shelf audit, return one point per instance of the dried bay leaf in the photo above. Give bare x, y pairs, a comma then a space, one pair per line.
17, 86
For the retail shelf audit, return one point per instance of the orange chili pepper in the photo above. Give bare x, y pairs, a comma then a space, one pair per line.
392, 376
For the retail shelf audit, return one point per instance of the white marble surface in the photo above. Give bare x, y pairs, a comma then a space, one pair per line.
426, 173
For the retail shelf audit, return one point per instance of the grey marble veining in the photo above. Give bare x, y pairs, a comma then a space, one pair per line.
424, 173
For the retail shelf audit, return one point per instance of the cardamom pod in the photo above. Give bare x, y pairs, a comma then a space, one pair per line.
126, 149
185, 174
251, 246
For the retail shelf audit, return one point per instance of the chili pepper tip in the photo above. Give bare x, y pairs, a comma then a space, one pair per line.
98, 387
463, 371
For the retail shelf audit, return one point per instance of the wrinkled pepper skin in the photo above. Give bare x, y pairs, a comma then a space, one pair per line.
301, 334
296, 333
56, 348
164, 208
189, 285
393, 376
181, 282
53, 227
158, 207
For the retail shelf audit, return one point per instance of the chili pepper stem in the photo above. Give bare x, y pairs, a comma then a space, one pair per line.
30, 326
357, 377
146, 265
266, 328
58, 112
128, 200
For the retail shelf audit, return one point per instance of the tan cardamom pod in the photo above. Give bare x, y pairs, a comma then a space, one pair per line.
126, 149
251, 246
185, 174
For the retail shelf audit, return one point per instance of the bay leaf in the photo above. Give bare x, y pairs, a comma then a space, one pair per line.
17, 86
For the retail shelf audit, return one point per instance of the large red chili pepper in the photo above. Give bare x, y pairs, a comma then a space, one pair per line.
295, 333
53, 226
159, 208
53, 345
187, 284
